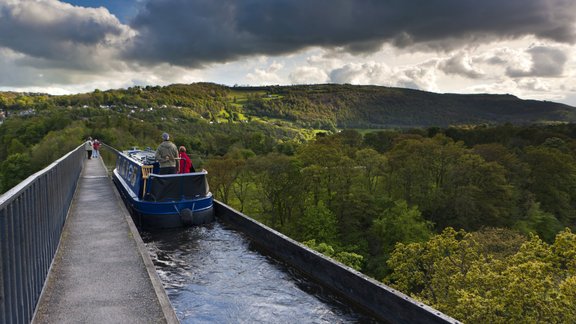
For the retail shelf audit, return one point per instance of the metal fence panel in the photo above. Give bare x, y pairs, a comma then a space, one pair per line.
32, 217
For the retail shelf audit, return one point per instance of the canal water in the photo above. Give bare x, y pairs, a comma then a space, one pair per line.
213, 274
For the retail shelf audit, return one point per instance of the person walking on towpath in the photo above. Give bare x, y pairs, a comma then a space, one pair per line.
88, 145
166, 155
96, 146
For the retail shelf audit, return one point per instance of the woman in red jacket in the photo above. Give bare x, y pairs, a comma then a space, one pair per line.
96, 146
185, 162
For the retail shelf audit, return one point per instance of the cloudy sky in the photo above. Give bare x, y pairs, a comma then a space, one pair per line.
523, 47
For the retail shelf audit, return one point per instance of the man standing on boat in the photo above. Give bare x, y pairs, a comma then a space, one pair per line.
166, 155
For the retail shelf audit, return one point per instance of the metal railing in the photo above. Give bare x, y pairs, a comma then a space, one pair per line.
32, 217
109, 156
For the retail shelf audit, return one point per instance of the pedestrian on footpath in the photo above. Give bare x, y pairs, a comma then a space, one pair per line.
96, 147
88, 145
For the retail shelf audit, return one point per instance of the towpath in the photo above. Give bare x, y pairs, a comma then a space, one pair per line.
102, 272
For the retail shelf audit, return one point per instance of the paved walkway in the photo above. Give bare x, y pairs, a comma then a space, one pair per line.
102, 272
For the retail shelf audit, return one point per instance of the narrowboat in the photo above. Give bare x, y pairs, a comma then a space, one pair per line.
161, 201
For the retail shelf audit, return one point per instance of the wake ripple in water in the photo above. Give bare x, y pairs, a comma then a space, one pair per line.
212, 275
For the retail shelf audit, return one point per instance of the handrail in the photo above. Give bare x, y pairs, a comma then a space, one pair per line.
108, 147
32, 216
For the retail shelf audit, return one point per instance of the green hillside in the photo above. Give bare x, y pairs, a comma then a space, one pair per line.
327, 106
350, 106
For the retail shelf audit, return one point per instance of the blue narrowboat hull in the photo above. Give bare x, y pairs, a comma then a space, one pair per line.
162, 201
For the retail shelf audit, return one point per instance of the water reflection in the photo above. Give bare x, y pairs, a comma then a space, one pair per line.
212, 275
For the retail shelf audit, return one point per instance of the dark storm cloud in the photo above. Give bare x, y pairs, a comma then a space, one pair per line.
196, 32
546, 62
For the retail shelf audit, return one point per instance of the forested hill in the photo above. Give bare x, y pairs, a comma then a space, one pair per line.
376, 107
371, 106
325, 106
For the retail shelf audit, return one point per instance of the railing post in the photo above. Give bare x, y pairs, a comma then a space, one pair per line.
11, 297
3, 263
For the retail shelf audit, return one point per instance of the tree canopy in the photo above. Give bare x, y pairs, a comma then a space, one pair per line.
445, 214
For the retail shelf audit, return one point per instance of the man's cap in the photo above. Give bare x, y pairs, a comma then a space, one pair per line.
165, 136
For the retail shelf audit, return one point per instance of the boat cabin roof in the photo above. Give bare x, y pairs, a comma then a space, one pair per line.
142, 156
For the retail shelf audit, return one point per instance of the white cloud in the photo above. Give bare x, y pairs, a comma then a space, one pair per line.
49, 43
545, 61
534, 84
570, 99
461, 64
308, 75
56, 31
421, 77
266, 76
506, 86
361, 73
328, 59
